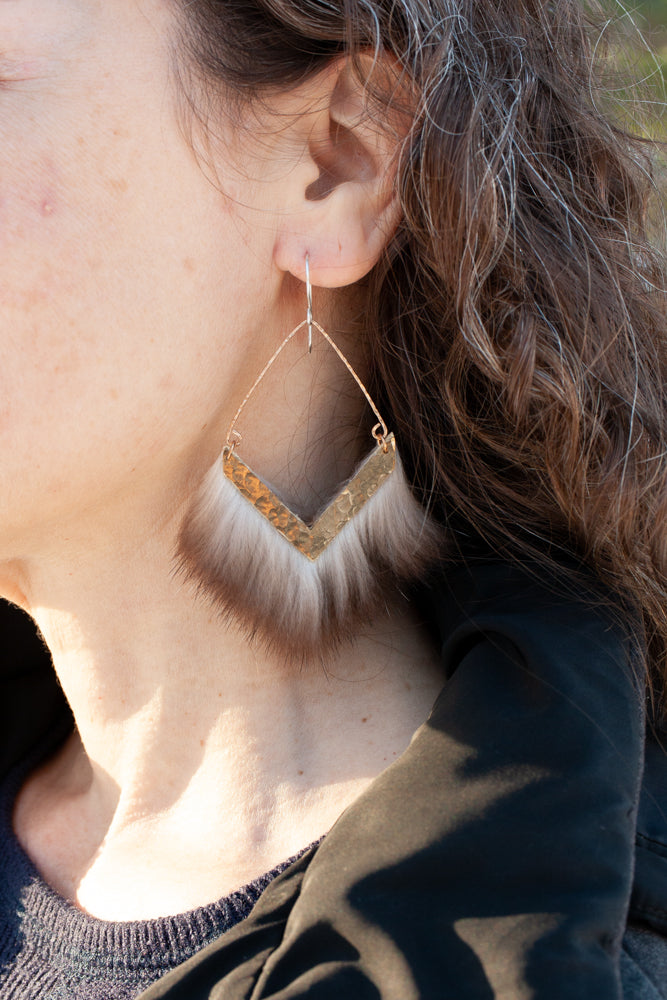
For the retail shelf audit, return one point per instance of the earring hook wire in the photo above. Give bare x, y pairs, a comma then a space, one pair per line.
309, 305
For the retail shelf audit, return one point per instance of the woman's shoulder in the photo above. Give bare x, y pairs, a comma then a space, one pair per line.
480, 577
563, 622
572, 645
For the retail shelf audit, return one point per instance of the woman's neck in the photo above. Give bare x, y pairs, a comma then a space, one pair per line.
200, 759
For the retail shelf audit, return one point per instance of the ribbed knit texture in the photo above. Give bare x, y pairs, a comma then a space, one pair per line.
49, 948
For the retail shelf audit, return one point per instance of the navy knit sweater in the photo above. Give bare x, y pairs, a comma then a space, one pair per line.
49, 948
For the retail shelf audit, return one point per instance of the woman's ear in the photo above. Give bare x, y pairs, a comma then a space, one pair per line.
343, 206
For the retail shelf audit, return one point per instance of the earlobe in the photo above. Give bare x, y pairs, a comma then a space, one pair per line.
346, 216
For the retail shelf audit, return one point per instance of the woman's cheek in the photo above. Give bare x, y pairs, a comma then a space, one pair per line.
45, 247
29, 210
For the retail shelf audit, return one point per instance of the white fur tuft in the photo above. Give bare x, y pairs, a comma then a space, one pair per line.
295, 604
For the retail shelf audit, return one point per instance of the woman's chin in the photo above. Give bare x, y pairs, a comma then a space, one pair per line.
11, 588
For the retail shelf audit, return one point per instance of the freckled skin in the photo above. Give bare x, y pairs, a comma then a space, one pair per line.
27, 198
124, 276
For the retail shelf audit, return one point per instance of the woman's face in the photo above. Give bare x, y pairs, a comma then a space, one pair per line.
128, 282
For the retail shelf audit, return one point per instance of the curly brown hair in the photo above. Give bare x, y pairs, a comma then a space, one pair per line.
516, 325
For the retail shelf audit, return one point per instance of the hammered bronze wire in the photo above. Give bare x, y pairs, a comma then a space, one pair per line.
312, 540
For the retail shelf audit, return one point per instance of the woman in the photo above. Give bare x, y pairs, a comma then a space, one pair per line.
175, 179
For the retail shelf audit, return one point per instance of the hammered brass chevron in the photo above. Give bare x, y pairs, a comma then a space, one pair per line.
312, 540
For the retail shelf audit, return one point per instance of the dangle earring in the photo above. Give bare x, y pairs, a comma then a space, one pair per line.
304, 587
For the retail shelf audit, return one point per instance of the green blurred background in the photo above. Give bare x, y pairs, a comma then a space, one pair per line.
655, 14
645, 57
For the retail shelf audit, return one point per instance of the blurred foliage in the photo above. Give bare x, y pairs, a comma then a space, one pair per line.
654, 12
650, 70
640, 64
634, 84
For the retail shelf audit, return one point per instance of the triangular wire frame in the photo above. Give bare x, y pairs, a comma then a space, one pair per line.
312, 540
